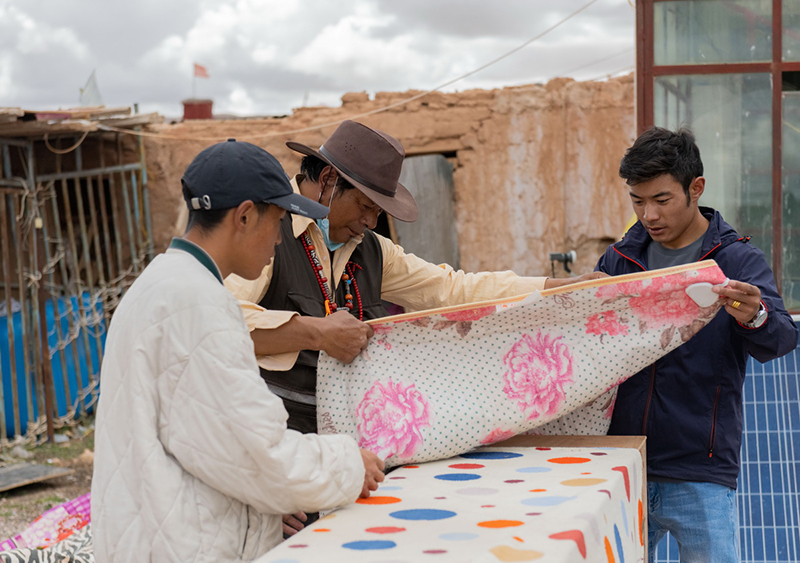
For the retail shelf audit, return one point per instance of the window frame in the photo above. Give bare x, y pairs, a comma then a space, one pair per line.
647, 71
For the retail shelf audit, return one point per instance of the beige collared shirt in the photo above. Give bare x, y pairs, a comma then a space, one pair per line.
408, 281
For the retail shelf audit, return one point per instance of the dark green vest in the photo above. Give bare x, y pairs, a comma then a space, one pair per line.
294, 287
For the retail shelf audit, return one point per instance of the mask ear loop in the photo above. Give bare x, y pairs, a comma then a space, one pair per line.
335, 178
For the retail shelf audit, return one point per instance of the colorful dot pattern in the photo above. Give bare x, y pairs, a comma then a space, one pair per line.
438, 352
446, 520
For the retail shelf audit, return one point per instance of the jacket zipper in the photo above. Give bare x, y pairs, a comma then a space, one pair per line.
246, 531
703, 257
714, 423
649, 397
653, 369
628, 258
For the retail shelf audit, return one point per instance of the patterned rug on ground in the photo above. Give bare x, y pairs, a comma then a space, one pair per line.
60, 535
438, 383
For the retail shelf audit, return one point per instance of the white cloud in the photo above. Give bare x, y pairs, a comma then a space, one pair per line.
352, 49
263, 53
266, 56
36, 37
6, 83
240, 100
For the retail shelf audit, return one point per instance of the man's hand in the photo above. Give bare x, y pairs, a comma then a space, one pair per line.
373, 466
742, 300
342, 336
293, 523
561, 282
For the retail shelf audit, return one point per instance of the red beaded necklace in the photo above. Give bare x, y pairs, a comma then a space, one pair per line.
348, 277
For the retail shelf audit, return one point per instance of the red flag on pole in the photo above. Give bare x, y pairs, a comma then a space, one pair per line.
200, 70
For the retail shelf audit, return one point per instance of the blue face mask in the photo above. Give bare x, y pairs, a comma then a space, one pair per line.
325, 227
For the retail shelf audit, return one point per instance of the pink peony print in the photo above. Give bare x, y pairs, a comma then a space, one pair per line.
497, 435
606, 322
470, 314
462, 320
610, 409
664, 303
539, 368
624, 289
391, 417
381, 335
382, 329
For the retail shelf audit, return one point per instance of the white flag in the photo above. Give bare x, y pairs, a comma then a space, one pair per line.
90, 94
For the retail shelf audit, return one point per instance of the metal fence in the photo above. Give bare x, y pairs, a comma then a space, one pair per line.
72, 239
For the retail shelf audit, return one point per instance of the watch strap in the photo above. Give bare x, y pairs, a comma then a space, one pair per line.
759, 319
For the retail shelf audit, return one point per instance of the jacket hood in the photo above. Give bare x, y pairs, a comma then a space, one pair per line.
719, 235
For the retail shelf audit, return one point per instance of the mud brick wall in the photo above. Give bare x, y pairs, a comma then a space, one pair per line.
535, 166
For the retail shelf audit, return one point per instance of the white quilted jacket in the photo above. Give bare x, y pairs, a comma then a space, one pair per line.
193, 461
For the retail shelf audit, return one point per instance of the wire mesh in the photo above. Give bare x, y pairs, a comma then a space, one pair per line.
71, 244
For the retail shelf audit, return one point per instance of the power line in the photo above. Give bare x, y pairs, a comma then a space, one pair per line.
610, 74
598, 61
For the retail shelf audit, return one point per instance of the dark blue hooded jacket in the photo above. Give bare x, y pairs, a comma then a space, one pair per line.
689, 403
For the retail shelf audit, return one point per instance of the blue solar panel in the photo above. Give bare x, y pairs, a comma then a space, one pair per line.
768, 495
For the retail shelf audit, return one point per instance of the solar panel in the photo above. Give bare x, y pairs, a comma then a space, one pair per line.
768, 496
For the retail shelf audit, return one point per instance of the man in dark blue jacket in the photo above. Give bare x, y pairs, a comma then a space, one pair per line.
689, 403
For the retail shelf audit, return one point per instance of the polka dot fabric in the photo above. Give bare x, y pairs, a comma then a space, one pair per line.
436, 384
523, 504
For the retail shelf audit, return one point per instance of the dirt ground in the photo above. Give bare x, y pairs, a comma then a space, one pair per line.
19, 507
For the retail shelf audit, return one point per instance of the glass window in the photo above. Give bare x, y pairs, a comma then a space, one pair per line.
791, 199
712, 31
791, 30
730, 117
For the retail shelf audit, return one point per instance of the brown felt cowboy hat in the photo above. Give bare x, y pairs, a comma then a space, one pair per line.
371, 160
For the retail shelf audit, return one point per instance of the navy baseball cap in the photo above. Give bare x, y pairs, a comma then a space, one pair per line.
227, 174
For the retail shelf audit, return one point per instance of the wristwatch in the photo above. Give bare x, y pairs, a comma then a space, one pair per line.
759, 319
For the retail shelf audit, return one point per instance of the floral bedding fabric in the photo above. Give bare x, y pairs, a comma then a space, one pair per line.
60, 535
438, 383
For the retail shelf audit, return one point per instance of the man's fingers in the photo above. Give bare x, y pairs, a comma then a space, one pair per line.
737, 288
292, 523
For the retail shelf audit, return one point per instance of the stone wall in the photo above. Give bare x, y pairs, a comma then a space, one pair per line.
535, 166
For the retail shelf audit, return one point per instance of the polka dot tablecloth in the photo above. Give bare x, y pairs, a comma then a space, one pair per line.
493, 504
435, 384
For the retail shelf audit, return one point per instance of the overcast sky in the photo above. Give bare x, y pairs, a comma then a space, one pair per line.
266, 57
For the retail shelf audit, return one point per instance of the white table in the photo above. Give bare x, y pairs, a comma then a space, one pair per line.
506, 503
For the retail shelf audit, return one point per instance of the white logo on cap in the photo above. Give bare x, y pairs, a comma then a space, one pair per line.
204, 202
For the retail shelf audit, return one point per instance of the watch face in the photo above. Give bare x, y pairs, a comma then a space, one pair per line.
759, 320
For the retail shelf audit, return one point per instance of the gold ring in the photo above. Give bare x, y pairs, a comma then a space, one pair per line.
736, 304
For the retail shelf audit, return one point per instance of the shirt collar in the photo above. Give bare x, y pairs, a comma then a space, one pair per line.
200, 254
299, 223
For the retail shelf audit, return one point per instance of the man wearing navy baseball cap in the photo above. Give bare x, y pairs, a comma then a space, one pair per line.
193, 460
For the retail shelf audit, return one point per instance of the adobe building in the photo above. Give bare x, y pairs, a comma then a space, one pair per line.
534, 168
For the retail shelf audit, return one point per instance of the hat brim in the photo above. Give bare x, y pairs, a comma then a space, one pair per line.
402, 206
300, 205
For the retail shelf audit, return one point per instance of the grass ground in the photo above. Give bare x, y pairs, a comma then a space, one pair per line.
19, 507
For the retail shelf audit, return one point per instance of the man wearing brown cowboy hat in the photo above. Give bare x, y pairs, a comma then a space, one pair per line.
330, 275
